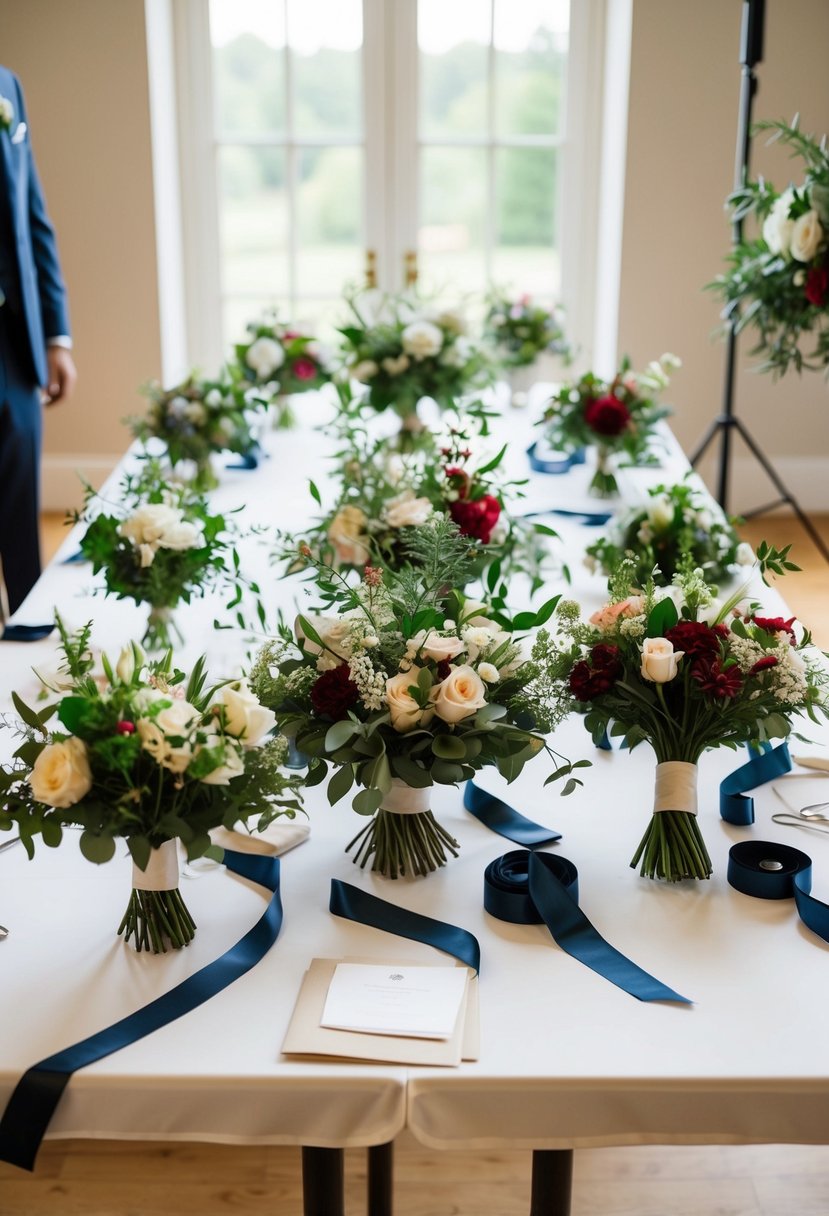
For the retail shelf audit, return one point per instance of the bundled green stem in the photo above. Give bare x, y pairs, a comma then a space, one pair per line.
403, 844
155, 918
604, 484
672, 848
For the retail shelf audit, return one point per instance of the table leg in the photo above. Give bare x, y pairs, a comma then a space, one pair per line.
323, 1175
380, 1177
552, 1182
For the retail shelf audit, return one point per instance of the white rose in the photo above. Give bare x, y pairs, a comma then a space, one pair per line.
745, 554
488, 673
130, 660
244, 717
181, 535
460, 695
421, 339
213, 398
147, 553
265, 356
233, 766
660, 512
348, 536
365, 370
175, 720
660, 662
395, 367
148, 523
332, 630
61, 775
406, 511
807, 235
436, 647
405, 712
777, 228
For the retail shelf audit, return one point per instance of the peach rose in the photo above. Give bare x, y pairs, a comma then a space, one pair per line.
405, 712
607, 616
460, 695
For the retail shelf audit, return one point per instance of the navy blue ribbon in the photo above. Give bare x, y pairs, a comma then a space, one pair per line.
590, 519
247, 461
542, 888
358, 905
555, 465
500, 817
735, 807
26, 633
768, 870
36, 1095
75, 558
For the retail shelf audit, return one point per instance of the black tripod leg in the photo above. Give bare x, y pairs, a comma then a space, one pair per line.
552, 1182
323, 1178
380, 1177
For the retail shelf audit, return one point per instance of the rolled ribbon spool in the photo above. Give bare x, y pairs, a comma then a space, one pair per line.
767, 870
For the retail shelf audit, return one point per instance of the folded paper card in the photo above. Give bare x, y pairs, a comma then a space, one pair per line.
307, 1037
277, 838
399, 1000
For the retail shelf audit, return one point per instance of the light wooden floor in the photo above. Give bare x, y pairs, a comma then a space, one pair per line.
77, 1178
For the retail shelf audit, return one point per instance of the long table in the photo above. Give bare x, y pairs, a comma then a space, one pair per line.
567, 1059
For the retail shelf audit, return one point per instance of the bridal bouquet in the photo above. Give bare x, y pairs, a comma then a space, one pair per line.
617, 416
151, 757
676, 523
196, 419
684, 672
160, 546
384, 495
277, 361
777, 282
521, 329
400, 684
402, 351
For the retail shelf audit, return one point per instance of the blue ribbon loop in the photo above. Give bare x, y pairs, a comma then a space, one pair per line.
26, 633
247, 461
735, 807
554, 465
768, 870
534, 888
366, 909
500, 817
37, 1093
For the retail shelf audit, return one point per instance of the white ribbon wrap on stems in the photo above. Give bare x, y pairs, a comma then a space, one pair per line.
402, 799
676, 787
162, 872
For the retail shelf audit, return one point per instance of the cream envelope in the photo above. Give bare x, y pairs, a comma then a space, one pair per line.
306, 1037
277, 838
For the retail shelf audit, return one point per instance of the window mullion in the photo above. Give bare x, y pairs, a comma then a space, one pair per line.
290, 164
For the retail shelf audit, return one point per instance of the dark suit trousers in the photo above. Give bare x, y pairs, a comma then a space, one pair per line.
21, 426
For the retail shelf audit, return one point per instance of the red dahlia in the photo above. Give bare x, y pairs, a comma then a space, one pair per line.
696, 639
608, 416
476, 518
721, 683
587, 682
334, 693
776, 624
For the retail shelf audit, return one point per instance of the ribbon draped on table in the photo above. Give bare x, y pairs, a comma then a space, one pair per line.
768, 870
772, 762
499, 817
36, 1095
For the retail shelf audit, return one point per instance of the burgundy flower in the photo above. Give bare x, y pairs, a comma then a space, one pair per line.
817, 285
304, 369
763, 664
776, 624
581, 682
590, 680
444, 668
720, 683
607, 416
476, 518
334, 693
605, 658
696, 639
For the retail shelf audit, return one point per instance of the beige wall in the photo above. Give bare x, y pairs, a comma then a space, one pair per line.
82, 64
684, 87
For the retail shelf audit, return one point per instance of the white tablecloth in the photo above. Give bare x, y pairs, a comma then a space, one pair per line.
567, 1059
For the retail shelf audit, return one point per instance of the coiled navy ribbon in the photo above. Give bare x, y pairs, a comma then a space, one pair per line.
527, 888
555, 465
37, 1093
26, 633
735, 807
777, 871
500, 817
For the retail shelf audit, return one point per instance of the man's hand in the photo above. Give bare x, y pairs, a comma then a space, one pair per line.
62, 374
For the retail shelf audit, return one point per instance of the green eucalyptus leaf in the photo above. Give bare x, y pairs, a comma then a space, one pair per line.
367, 801
140, 848
449, 747
339, 734
340, 784
97, 849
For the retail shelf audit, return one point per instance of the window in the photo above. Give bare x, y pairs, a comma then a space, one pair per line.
446, 138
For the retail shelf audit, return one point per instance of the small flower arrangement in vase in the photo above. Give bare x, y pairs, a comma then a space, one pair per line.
617, 417
150, 757
777, 282
403, 351
278, 361
685, 673
161, 546
195, 420
385, 494
402, 684
676, 523
522, 330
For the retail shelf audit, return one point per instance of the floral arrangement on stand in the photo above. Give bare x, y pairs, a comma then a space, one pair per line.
521, 330
618, 417
385, 494
677, 522
150, 757
278, 361
685, 672
197, 419
160, 546
400, 684
404, 350
778, 282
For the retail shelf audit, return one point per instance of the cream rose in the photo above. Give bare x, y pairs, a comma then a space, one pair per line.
130, 660
244, 717
395, 367
233, 766
460, 695
348, 536
332, 630
181, 535
405, 712
660, 512
807, 235
434, 646
406, 511
421, 339
176, 720
148, 523
777, 228
265, 356
660, 662
61, 775
365, 370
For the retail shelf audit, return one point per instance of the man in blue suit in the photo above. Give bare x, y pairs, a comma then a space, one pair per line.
35, 363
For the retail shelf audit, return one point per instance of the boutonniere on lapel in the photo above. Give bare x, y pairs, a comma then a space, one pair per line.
6, 114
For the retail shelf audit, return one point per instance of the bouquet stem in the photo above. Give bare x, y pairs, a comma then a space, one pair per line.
284, 417
672, 847
398, 845
158, 635
156, 913
604, 484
